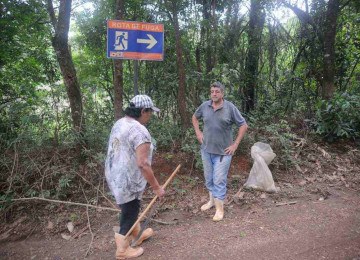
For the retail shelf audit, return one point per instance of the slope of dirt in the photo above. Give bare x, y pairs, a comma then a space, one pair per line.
315, 215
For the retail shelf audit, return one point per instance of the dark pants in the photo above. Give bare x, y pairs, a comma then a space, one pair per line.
129, 215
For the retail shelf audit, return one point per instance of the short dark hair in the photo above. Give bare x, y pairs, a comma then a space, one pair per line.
135, 112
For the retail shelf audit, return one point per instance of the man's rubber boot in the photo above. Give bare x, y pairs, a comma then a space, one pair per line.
219, 205
149, 232
209, 204
124, 250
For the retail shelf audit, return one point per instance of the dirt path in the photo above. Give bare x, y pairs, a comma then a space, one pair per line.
309, 229
324, 223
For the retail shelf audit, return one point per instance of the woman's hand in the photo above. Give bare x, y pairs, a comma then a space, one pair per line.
160, 192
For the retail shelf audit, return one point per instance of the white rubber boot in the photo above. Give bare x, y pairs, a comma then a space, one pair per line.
219, 205
209, 204
124, 250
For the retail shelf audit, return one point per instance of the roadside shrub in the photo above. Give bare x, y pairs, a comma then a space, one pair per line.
190, 144
165, 133
338, 117
270, 126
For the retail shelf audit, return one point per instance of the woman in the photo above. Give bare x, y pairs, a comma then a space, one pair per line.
128, 169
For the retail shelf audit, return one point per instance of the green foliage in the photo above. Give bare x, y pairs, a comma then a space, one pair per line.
339, 117
278, 133
177, 185
74, 217
26, 65
190, 144
165, 132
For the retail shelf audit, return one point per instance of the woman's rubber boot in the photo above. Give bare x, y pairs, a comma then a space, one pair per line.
209, 204
219, 205
124, 250
149, 232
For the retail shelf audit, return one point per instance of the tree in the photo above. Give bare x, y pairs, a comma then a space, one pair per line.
325, 32
208, 33
329, 31
118, 69
256, 25
173, 7
61, 26
25, 64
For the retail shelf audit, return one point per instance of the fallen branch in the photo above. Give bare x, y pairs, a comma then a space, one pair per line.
285, 203
89, 224
63, 202
80, 232
88, 182
92, 234
163, 222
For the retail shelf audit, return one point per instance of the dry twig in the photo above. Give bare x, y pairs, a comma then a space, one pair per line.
81, 231
163, 222
92, 234
63, 202
98, 190
89, 224
285, 203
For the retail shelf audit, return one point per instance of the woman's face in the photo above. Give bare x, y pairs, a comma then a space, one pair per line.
145, 116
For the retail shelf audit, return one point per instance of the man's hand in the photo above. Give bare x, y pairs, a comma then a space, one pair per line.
200, 136
231, 149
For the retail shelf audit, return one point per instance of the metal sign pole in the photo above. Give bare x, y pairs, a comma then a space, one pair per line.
136, 76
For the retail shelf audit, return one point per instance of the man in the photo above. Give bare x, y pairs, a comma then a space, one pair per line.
217, 145
128, 169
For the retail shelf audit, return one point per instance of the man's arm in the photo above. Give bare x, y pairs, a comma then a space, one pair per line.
142, 160
232, 148
199, 134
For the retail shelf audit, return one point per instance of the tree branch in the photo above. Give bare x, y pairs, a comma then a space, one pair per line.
63, 202
51, 12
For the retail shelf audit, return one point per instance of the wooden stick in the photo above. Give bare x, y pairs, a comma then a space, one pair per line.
285, 203
61, 201
163, 222
152, 202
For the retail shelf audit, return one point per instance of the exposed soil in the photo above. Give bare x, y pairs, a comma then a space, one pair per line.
315, 215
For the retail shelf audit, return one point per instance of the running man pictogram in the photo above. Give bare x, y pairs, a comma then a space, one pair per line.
121, 40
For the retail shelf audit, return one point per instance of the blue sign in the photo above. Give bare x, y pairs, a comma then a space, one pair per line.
135, 40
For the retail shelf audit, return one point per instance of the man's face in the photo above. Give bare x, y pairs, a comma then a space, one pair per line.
216, 94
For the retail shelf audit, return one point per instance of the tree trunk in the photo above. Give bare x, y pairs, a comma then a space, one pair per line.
326, 35
256, 24
63, 54
181, 95
118, 70
208, 30
328, 87
213, 35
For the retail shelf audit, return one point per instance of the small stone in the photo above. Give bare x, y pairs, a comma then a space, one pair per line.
50, 225
302, 183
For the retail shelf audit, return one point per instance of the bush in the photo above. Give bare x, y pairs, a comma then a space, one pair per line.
190, 144
165, 133
339, 117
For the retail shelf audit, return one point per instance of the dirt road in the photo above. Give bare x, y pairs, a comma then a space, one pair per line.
309, 229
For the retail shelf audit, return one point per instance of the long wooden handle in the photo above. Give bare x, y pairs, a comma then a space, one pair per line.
152, 201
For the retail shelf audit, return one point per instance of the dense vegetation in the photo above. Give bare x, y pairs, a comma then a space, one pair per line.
60, 94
